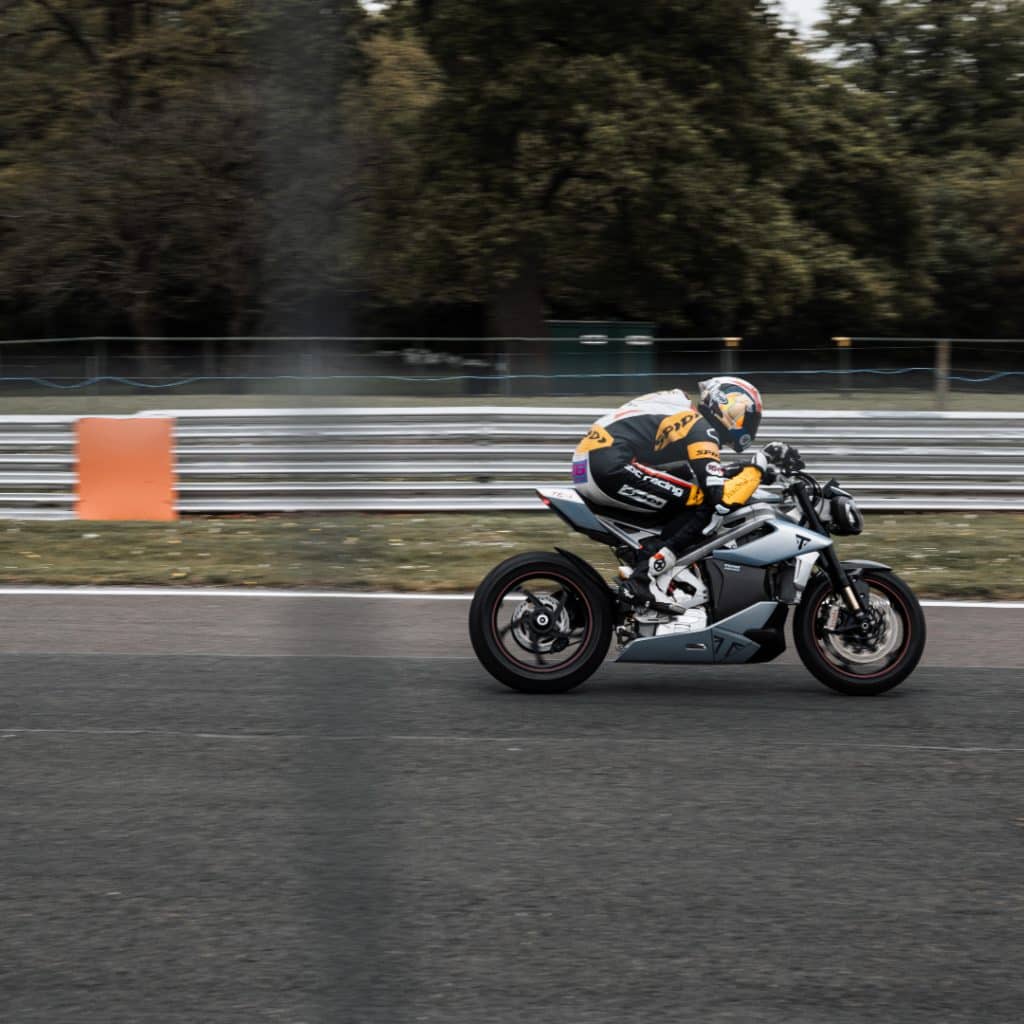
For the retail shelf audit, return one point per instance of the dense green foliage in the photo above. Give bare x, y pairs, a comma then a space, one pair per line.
226, 166
950, 75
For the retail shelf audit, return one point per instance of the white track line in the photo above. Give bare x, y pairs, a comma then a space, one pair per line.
525, 740
343, 595
973, 604
347, 595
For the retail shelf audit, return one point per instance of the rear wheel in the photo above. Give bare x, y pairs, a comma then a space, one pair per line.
867, 657
540, 624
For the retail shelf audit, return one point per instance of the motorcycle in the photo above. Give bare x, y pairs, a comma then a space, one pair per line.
542, 622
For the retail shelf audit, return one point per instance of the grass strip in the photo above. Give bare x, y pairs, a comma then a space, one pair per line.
969, 555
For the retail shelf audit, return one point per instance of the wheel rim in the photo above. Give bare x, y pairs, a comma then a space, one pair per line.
541, 622
863, 656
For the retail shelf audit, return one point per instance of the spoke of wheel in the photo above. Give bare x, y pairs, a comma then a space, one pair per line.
539, 655
530, 594
574, 637
504, 631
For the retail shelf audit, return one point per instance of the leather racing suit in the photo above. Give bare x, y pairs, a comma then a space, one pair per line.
657, 455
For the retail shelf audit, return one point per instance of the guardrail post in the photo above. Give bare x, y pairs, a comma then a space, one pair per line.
730, 355
943, 359
843, 346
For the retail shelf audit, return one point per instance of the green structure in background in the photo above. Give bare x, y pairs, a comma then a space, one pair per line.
624, 350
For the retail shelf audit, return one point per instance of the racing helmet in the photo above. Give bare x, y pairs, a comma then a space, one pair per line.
733, 407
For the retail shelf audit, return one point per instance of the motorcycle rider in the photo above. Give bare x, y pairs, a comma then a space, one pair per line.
657, 454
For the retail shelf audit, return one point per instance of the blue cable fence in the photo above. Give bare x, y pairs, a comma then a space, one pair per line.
126, 382
450, 366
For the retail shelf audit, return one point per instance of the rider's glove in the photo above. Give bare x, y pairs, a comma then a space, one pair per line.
721, 511
783, 455
760, 461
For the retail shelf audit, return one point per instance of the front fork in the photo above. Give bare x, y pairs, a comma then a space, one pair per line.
841, 582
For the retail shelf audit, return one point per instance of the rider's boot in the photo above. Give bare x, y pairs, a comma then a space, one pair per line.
649, 581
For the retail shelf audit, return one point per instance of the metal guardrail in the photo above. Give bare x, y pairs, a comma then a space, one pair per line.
37, 467
490, 458
477, 458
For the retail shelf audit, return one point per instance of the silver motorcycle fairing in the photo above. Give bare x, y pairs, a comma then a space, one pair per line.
721, 643
633, 535
802, 569
783, 541
574, 510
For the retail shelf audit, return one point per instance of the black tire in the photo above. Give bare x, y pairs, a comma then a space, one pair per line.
587, 607
905, 628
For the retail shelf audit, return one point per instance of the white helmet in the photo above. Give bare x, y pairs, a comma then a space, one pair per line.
733, 407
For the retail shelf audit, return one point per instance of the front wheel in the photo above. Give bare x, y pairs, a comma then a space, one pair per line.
860, 658
540, 624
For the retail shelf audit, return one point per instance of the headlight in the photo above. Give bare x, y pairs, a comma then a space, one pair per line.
845, 518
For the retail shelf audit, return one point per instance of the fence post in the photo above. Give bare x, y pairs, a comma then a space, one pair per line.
943, 354
308, 370
730, 355
635, 362
209, 358
96, 367
843, 346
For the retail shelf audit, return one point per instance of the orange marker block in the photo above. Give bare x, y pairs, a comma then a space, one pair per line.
125, 468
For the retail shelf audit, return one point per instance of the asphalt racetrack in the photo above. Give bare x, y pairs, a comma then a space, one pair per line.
322, 810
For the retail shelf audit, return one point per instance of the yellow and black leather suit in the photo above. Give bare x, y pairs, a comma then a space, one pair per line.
657, 455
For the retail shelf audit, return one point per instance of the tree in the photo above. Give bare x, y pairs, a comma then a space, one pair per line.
666, 162
948, 75
159, 157
953, 70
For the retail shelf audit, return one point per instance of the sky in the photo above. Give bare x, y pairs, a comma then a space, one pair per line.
804, 12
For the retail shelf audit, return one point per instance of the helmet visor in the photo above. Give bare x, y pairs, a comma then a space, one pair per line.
742, 436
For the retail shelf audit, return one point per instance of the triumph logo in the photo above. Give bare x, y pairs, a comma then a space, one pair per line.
802, 541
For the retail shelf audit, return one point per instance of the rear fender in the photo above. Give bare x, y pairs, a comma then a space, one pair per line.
592, 574
574, 511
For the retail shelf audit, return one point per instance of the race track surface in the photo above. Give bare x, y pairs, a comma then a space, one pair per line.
317, 810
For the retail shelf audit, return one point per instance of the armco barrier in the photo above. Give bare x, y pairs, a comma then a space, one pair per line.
448, 458
37, 467
474, 458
